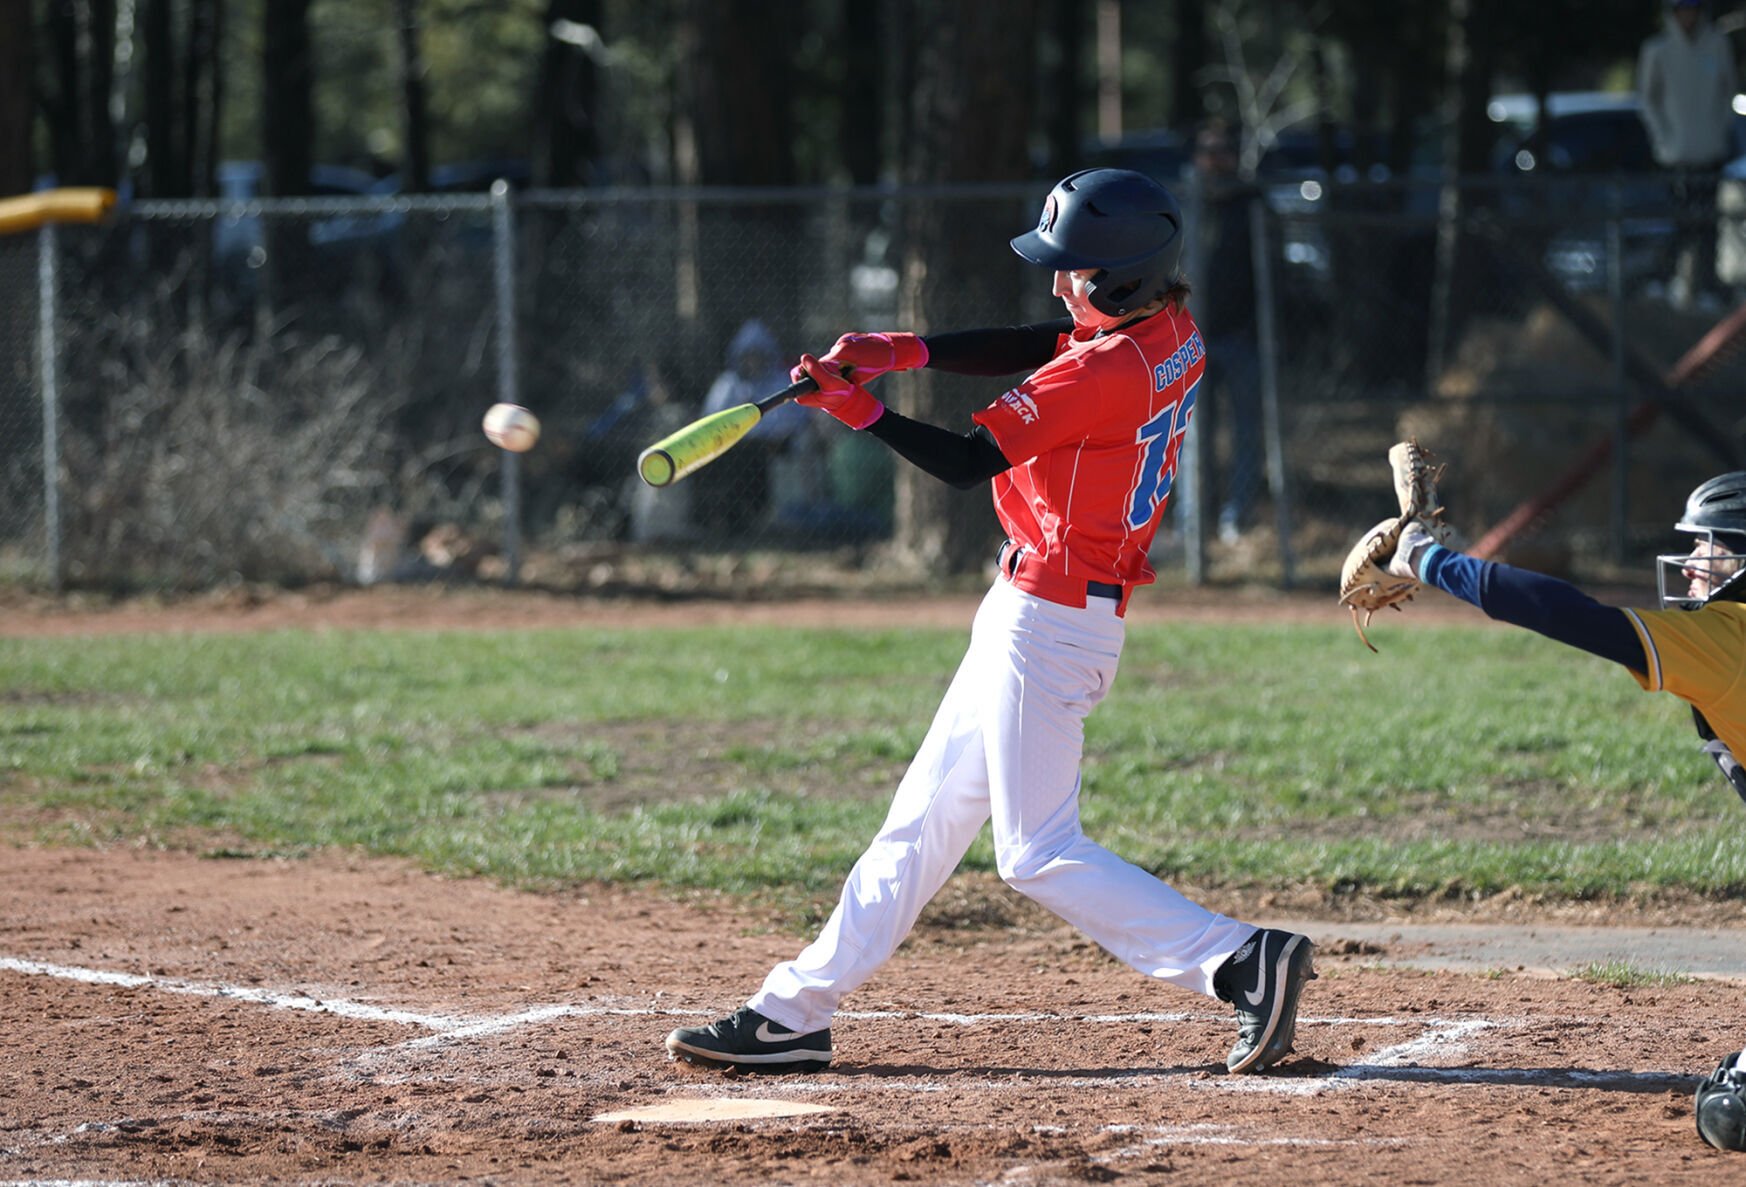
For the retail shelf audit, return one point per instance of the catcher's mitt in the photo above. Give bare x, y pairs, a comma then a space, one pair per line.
1367, 583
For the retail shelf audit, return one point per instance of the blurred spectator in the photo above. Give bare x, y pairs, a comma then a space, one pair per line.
862, 476
641, 415
734, 493
1224, 309
1686, 78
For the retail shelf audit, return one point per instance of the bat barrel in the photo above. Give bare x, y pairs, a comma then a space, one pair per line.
704, 440
656, 466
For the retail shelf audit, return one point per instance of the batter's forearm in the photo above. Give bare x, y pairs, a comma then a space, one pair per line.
1542, 604
1006, 350
961, 459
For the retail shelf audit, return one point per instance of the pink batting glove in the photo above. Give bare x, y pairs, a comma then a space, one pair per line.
869, 356
849, 402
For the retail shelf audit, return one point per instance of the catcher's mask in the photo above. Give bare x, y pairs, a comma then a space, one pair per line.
1715, 513
1119, 222
1721, 1108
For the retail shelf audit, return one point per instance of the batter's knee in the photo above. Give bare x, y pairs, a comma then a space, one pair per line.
1019, 867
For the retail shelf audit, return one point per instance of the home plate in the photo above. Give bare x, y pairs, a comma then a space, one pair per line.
716, 1110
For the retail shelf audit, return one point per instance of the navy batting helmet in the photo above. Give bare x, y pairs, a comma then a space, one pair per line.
1716, 510
1122, 223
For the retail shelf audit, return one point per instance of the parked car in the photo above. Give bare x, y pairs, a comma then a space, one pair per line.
1579, 132
239, 237
1594, 148
477, 177
1168, 157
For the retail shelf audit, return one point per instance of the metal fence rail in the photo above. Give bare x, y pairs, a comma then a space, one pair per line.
290, 390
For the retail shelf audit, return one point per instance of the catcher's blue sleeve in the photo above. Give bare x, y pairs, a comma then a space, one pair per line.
1543, 604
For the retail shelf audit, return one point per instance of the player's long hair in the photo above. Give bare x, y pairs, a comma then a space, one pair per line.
1176, 295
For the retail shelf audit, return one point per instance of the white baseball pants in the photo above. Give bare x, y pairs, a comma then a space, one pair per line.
1005, 745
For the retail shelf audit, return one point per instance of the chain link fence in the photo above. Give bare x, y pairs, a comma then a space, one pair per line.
289, 391
24, 536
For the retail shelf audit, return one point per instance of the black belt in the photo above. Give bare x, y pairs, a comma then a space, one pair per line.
1008, 560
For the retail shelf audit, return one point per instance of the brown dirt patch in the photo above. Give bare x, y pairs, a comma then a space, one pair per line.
439, 608
472, 1032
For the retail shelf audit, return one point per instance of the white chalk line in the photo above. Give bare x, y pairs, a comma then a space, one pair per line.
88, 1182
1443, 1036
448, 1027
1211, 1134
1440, 1037
264, 997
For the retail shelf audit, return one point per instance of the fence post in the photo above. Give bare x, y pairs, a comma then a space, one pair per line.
508, 387
48, 344
1191, 471
1267, 341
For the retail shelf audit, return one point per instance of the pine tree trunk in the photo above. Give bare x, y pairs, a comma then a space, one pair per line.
971, 112
1470, 59
568, 141
413, 118
287, 97
81, 128
165, 171
736, 103
202, 87
17, 66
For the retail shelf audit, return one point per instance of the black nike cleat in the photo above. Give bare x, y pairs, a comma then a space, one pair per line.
1263, 979
746, 1039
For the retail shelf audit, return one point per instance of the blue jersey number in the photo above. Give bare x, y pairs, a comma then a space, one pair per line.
1162, 436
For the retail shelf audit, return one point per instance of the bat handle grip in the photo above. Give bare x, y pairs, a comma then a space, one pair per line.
805, 384
774, 399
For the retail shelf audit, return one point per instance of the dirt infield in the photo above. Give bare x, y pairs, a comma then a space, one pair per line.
173, 1018
434, 607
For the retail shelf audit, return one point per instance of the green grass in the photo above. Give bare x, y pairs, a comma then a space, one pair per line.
1459, 762
1620, 974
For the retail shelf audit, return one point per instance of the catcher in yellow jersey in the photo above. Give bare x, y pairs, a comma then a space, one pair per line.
1694, 647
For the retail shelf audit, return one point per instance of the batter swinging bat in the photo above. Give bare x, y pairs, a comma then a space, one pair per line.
702, 441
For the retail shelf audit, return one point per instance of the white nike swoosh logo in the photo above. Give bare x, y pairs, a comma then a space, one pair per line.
1254, 996
763, 1035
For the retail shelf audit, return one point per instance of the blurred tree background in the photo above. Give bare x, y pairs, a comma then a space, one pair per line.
151, 94
166, 99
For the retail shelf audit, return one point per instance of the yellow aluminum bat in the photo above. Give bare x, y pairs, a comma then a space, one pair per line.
702, 441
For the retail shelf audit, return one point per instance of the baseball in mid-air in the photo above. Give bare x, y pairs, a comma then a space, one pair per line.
512, 427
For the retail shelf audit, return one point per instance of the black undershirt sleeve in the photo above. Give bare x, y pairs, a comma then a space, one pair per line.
960, 459
964, 460
1002, 351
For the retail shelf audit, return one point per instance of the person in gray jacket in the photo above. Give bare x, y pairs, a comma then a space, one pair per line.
1686, 80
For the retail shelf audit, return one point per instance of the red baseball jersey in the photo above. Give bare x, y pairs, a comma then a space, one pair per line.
1094, 435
